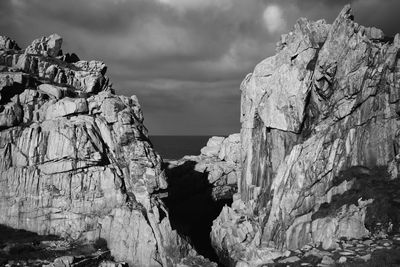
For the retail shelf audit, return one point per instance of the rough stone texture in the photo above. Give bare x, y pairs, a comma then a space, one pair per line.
198, 188
8, 43
219, 161
319, 119
75, 159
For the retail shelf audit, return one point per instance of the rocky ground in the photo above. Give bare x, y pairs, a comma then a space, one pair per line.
374, 251
23, 248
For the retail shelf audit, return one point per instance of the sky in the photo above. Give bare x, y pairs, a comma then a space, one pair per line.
184, 59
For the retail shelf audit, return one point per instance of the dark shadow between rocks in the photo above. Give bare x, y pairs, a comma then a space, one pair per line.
191, 206
23, 247
369, 183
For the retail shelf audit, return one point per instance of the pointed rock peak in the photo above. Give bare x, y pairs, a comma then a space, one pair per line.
344, 16
8, 43
346, 13
47, 46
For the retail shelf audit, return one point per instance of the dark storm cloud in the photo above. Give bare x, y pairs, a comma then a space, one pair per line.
184, 59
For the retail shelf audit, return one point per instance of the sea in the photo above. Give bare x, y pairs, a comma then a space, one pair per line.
175, 147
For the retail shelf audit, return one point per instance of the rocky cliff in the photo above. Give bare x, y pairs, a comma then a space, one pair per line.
76, 160
320, 144
219, 162
199, 186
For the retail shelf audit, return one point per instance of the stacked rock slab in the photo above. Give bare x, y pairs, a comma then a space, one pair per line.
75, 159
319, 119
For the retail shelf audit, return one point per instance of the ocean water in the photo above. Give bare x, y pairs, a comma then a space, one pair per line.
175, 147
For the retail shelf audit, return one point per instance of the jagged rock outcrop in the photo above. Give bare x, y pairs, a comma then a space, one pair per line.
75, 159
320, 144
219, 161
198, 188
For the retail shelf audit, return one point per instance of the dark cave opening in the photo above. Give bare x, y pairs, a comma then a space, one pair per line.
191, 206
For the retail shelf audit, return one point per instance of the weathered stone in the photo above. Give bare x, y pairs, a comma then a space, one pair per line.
51, 90
290, 260
327, 260
319, 141
47, 46
11, 115
67, 106
366, 257
8, 43
213, 146
221, 172
342, 260
75, 160
230, 149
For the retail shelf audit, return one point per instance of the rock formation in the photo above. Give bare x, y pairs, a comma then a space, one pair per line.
219, 161
75, 159
198, 188
320, 144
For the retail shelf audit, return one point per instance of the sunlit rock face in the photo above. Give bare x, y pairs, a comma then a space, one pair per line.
320, 125
75, 159
218, 167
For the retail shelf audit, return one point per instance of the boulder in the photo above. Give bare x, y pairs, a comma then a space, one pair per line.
230, 149
10, 115
47, 46
54, 43
67, 106
51, 90
213, 146
8, 43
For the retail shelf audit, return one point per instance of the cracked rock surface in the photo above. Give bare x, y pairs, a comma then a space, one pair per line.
75, 159
219, 162
319, 144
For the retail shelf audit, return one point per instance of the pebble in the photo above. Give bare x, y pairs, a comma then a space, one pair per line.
306, 247
366, 257
346, 245
346, 253
367, 242
287, 253
342, 259
352, 250
327, 260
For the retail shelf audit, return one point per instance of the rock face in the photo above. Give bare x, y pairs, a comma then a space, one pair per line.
320, 143
75, 159
198, 188
219, 161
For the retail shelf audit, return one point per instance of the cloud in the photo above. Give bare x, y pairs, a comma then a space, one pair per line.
184, 5
183, 58
273, 19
